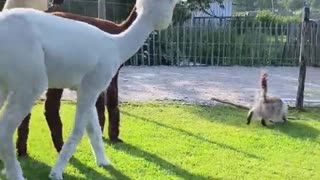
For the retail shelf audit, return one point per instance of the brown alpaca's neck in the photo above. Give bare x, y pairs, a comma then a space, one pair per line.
127, 23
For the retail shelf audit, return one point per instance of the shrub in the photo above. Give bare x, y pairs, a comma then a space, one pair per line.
268, 17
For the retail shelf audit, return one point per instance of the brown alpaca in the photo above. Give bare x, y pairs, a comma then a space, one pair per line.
52, 104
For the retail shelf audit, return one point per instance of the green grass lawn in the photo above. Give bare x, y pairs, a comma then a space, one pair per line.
170, 141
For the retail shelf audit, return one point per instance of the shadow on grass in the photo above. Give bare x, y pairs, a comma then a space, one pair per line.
153, 158
237, 117
96, 175
306, 114
298, 130
222, 114
33, 169
224, 146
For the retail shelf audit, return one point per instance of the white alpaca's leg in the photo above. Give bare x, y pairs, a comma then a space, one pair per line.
70, 145
86, 102
87, 94
18, 106
3, 97
95, 135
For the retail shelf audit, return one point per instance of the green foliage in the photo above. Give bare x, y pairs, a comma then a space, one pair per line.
251, 5
298, 4
200, 5
284, 7
183, 10
268, 17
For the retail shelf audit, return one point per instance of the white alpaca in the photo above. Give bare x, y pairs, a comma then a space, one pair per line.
40, 51
41, 5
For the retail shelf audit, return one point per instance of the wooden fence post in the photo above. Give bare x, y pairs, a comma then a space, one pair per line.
102, 9
302, 58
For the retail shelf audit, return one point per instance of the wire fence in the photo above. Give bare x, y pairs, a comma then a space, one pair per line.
203, 41
315, 14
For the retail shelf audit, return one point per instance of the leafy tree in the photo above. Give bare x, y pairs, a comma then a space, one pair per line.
184, 10
293, 5
251, 5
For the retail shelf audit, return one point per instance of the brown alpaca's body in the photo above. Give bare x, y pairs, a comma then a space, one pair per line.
52, 104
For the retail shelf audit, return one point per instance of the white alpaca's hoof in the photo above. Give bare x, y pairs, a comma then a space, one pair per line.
55, 176
103, 163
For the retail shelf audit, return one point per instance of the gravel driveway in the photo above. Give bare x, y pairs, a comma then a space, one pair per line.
199, 84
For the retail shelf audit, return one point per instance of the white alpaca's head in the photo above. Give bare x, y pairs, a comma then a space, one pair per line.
159, 11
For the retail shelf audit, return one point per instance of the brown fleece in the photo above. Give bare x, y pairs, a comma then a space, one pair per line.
52, 104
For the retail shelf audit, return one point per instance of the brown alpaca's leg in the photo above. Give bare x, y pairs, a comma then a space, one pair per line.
113, 109
23, 132
52, 107
101, 110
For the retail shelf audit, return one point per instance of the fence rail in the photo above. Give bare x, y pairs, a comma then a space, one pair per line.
214, 41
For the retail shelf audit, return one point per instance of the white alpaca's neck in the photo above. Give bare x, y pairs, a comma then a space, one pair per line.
41, 5
133, 38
